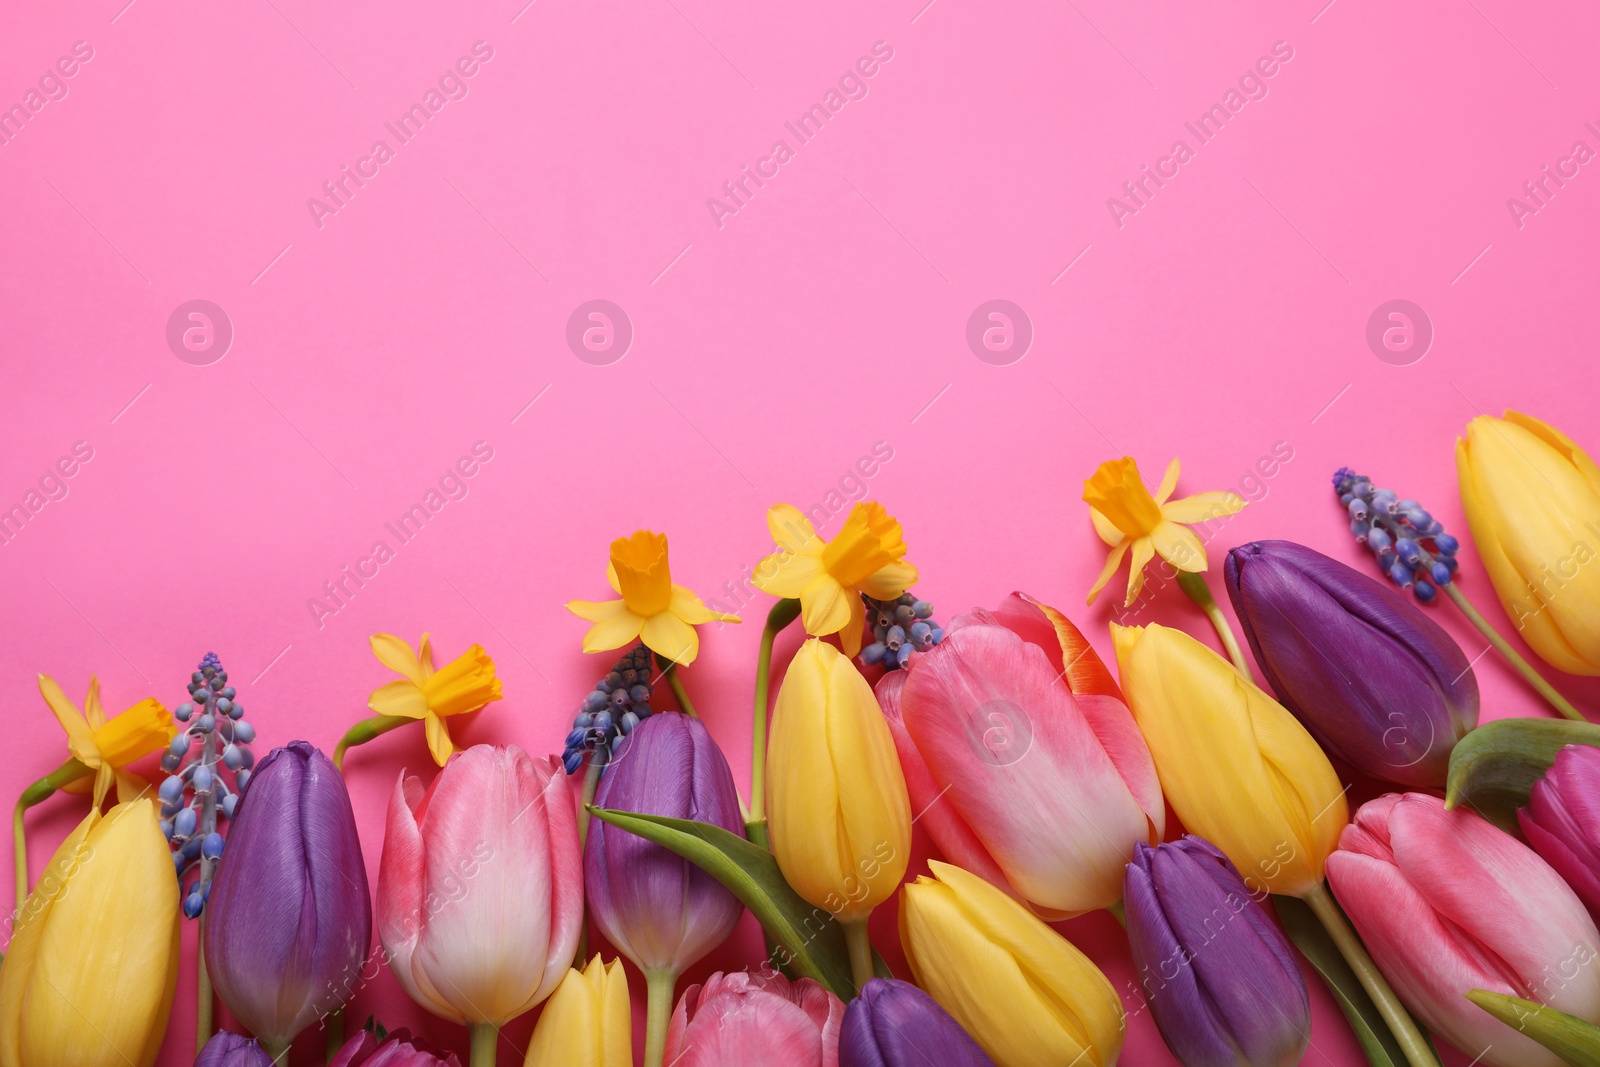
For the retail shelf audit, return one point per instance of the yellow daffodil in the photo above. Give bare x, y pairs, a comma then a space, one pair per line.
828, 577
1126, 516
106, 746
464, 684
586, 1022
652, 608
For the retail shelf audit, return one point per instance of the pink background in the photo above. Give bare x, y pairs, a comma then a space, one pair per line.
829, 313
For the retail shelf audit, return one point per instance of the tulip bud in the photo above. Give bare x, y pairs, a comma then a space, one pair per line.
230, 1050
657, 908
895, 1024
1022, 991
1222, 980
89, 977
1278, 809
1532, 498
289, 919
1447, 903
480, 888
749, 1018
398, 1049
1562, 821
588, 1021
1376, 681
1010, 723
840, 818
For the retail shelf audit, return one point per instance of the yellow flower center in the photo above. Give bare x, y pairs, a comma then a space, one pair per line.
643, 579
464, 684
869, 541
1117, 492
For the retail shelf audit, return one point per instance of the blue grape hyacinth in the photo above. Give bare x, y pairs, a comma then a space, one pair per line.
610, 710
899, 628
1409, 544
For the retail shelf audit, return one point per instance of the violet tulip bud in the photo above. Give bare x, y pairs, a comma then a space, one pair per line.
1378, 683
230, 1050
742, 1017
1221, 978
1447, 903
658, 909
1562, 821
895, 1024
289, 919
398, 1049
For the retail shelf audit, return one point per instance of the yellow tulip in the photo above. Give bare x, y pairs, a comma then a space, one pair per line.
1024, 992
1237, 768
1532, 498
1126, 517
106, 746
89, 978
587, 1022
652, 608
840, 817
463, 685
867, 555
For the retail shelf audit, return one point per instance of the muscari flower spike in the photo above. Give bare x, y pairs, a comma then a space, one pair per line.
1409, 544
899, 628
196, 797
611, 709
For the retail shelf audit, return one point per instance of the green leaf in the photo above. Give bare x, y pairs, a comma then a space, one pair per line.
1313, 941
1493, 768
1572, 1039
809, 940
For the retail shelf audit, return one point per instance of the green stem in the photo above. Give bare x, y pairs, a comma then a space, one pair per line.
335, 1034
204, 1001
669, 671
277, 1051
591, 782
69, 771
1523, 667
485, 1038
1404, 1028
1194, 584
860, 946
658, 1013
1119, 912
365, 731
782, 614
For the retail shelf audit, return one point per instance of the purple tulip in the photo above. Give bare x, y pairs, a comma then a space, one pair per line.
1562, 821
399, 1049
658, 909
895, 1024
1375, 680
289, 919
1220, 976
231, 1050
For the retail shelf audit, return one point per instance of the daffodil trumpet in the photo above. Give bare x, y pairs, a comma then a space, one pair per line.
1413, 550
1132, 521
423, 692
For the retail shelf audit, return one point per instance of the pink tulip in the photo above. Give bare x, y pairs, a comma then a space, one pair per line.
744, 1018
480, 889
1023, 759
1447, 903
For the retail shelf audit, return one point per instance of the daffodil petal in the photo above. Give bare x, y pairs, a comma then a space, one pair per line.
888, 582
1202, 507
789, 527
691, 609
1169, 482
1143, 549
596, 610
1106, 528
614, 629
94, 713
425, 658
1113, 561
825, 606
786, 574
80, 739
439, 743
397, 654
669, 636
130, 787
401, 698
1179, 546
850, 633
105, 776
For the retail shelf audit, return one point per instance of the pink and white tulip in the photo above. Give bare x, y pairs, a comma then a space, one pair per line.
744, 1018
1022, 757
480, 889
1447, 903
